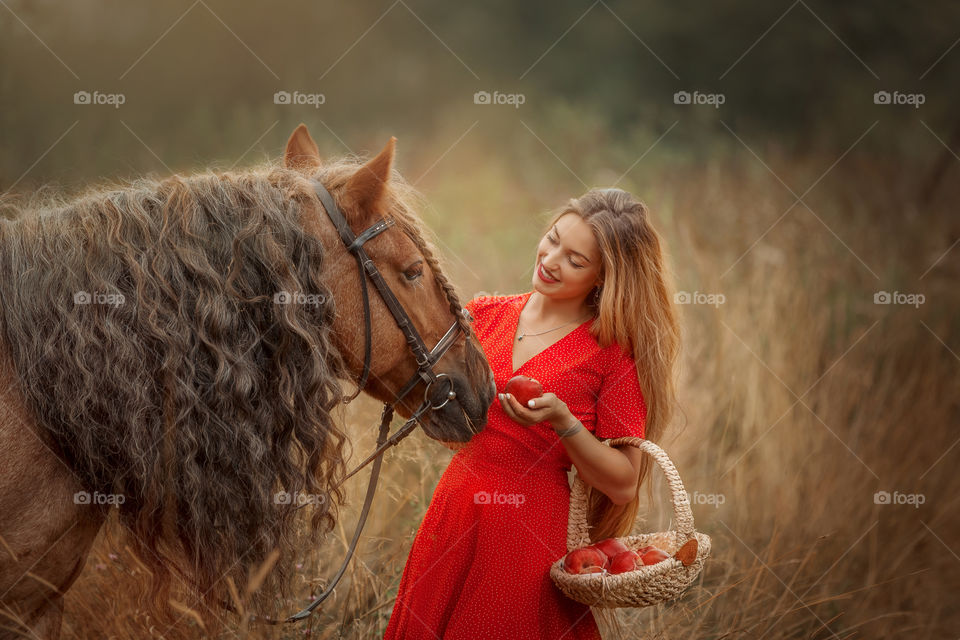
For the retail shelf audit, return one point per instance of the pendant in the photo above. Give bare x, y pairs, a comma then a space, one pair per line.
520, 337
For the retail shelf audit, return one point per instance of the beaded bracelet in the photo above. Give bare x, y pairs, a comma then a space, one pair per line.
566, 433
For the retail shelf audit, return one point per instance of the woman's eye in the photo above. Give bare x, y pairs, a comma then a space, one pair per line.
578, 266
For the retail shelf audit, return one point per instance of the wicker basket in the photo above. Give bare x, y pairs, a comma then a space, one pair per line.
647, 585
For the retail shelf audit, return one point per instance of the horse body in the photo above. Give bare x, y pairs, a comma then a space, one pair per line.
48, 521
45, 535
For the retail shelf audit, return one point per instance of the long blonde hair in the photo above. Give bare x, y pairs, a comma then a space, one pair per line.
635, 309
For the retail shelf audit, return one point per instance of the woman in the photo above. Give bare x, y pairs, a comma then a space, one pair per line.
596, 329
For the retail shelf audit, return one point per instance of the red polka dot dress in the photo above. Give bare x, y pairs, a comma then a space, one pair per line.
479, 567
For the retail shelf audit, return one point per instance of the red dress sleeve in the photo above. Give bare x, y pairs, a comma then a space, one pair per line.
477, 304
621, 409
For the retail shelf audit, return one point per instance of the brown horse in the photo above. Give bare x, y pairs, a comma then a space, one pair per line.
170, 350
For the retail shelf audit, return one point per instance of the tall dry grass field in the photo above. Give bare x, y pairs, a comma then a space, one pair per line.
818, 429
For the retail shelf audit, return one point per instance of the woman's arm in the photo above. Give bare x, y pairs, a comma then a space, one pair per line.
614, 472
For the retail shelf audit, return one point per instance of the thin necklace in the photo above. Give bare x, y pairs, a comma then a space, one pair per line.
523, 333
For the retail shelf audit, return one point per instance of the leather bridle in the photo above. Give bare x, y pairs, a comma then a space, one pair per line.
426, 360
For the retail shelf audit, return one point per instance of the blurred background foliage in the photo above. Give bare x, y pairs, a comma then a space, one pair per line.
199, 76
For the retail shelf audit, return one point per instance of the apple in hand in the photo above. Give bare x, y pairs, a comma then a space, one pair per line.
610, 546
585, 560
624, 561
523, 388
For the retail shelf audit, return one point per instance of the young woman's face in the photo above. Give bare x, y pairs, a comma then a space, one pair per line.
569, 254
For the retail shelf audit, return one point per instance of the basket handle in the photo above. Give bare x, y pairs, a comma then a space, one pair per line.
577, 532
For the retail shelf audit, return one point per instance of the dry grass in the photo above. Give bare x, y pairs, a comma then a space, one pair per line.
801, 399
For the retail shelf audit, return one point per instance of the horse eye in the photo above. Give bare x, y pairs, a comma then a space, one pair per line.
414, 272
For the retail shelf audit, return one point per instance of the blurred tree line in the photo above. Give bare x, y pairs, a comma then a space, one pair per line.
199, 77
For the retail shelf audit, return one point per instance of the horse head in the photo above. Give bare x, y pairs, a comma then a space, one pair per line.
365, 193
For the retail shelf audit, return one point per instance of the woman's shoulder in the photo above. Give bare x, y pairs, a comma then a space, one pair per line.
618, 356
483, 301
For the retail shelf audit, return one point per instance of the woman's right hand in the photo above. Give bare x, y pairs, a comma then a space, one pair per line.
547, 408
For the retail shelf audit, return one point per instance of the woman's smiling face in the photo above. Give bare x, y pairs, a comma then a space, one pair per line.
568, 254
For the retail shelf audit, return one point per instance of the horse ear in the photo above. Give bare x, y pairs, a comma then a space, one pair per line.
367, 186
302, 151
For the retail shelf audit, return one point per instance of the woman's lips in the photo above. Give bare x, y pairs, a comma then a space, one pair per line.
545, 276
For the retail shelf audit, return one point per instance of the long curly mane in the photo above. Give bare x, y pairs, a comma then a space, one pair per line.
177, 382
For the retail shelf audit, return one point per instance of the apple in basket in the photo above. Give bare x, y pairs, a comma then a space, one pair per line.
610, 547
625, 561
652, 555
523, 388
585, 560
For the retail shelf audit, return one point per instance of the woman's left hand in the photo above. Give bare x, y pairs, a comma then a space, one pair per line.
547, 407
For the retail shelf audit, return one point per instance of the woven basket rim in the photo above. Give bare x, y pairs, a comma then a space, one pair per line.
704, 543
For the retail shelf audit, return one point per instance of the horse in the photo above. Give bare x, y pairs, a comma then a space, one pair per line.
172, 350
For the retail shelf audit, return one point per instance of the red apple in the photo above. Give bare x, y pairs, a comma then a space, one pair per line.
523, 388
585, 560
610, 546
624, 561
606, 558
653, 555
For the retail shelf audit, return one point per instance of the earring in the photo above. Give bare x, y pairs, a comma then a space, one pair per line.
596, 295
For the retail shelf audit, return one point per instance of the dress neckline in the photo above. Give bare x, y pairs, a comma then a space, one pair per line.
515, 321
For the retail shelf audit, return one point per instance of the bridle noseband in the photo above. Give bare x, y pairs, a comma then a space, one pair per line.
426, 360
